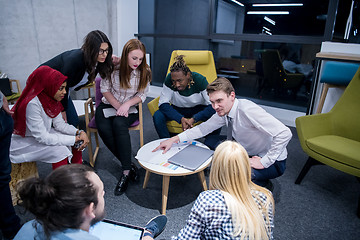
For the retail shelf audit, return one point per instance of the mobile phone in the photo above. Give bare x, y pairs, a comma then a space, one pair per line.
78, 144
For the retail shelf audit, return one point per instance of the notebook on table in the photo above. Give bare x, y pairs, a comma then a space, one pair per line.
191, 157
111, 230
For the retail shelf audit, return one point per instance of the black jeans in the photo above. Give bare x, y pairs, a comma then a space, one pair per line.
114, 131
9, 221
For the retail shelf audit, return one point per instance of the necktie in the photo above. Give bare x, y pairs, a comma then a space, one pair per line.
229, 128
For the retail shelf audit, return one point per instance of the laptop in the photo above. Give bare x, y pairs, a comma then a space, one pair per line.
191, 157
112, 230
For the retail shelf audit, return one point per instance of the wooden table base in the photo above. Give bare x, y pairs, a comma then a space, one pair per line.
165, 187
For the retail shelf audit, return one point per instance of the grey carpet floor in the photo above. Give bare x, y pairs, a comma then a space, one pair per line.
323, 206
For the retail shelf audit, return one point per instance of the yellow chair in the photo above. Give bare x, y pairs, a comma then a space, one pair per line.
8, 89
91, 126
198, 61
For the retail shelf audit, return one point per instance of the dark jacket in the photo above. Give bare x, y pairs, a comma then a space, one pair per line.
71, 64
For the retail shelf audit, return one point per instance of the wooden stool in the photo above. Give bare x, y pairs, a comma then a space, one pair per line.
19, 173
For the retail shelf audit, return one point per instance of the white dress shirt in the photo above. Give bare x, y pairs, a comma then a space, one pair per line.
257, 131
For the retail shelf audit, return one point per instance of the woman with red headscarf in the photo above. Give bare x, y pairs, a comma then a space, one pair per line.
40, 132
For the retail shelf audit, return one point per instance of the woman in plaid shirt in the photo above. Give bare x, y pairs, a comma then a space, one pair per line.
234, 207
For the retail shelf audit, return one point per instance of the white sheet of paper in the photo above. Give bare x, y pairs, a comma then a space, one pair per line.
158, 157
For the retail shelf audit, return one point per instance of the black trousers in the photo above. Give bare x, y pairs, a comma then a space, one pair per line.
9, 221
114, 131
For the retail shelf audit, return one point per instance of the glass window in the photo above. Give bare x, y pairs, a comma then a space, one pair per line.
306, 20
273, 74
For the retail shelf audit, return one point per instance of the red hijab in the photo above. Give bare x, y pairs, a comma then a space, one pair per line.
44, 82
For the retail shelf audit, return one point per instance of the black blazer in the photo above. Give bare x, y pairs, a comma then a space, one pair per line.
71, 64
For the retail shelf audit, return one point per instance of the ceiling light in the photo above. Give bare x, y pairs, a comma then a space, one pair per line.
277, 5
267, 29
268, 12
269, 20
268, 33
238, 3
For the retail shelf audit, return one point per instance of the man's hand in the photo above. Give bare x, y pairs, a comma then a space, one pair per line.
255, 162
166, 145
6, 106
187, 123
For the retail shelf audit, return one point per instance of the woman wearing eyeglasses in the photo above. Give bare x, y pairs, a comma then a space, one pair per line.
81, 67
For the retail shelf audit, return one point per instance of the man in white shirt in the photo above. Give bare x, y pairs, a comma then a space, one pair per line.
263, 136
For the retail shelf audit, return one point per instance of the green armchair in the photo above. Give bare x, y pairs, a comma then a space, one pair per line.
333, 138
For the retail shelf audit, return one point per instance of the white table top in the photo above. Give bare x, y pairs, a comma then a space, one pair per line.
160, 164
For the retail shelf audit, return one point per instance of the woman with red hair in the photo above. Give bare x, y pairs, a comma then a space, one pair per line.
40, 132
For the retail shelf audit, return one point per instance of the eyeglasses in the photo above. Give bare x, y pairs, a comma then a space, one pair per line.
102, 51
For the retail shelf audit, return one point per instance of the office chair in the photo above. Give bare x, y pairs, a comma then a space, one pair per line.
335, 75
275, 76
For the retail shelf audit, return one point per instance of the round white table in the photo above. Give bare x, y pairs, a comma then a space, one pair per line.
156, 162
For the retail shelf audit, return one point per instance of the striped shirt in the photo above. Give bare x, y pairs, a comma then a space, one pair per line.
123, 95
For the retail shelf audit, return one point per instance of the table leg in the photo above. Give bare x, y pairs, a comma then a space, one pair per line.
146, 179
202, 180
165, 191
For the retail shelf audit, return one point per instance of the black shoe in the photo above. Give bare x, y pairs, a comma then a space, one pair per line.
122, 185
156, 225
134, 173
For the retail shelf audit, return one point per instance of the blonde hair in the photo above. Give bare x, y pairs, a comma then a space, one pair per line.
231, 174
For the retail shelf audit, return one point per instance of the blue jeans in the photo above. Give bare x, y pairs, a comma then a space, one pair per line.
160, 119
9, 221
258, 176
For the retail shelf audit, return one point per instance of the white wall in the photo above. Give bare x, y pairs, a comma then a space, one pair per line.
33, 31
127, 21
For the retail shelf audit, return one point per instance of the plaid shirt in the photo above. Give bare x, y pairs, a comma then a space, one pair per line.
211, 219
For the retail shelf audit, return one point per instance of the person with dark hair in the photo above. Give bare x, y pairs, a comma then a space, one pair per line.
67, 203
263, 136
9, 221
81, 67
127, 87
183, 99
40, 132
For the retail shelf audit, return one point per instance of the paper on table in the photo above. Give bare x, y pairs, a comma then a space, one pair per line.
159, 158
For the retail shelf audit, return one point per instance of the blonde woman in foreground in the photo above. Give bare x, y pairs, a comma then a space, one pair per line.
234, 207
